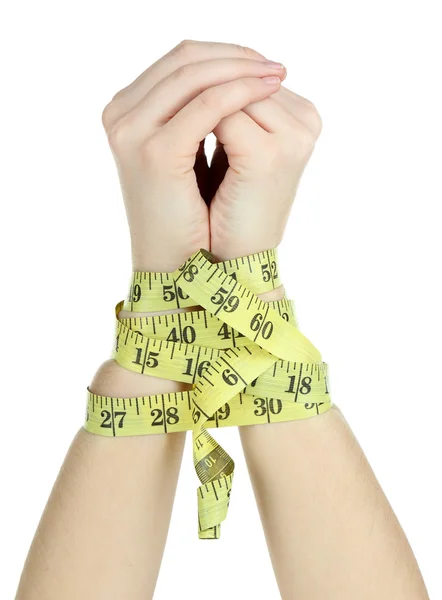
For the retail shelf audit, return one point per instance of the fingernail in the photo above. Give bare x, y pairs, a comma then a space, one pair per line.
274, 65
271, 80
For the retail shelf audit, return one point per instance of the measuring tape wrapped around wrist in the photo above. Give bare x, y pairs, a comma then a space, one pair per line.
246, 359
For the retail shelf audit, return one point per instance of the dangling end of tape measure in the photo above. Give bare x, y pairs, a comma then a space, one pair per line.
246, 359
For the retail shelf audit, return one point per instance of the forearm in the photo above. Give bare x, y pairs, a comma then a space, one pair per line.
330, 530
106, 521
105, 524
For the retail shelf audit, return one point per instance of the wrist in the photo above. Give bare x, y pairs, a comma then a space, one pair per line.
157, 261
272, 295
229, 249
230, 252
127, 314
164, 254
113, 380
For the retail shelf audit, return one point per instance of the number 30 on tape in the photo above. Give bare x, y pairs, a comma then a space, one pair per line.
246, 360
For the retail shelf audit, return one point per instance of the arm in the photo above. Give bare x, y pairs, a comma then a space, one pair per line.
330, 530
97, 537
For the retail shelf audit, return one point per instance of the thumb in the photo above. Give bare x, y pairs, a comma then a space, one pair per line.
202, 115
238, 134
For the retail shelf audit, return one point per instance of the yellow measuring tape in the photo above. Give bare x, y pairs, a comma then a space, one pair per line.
246, 359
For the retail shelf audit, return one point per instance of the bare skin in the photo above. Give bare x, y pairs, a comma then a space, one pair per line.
330, 531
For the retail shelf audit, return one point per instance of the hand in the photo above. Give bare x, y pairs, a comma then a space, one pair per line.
261, 153
156, 129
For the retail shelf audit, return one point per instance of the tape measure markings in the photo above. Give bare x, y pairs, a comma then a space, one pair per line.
190, 360
160, 290
257, 366
138, 420
283, 338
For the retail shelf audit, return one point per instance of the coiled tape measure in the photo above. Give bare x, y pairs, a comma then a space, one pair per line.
246, 359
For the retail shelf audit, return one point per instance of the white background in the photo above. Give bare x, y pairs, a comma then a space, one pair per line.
361, 256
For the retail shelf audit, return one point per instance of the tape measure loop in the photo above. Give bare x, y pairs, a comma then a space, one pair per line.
246, 360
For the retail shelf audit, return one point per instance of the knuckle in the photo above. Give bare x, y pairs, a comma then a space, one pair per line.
108, 115
306, 101
313, 119
184, 48
310, 115
119, 94
302, 141
185, 71
248, 52
206, 99
118, 135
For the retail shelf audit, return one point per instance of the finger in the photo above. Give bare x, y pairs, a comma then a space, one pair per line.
198, 118
174, 92
271, 115
241, 126
278, 115
186, 52
288, 93
180, 87
239, 134
303, 109
287, 114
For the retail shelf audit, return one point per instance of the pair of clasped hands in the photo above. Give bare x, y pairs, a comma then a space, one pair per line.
156, 126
